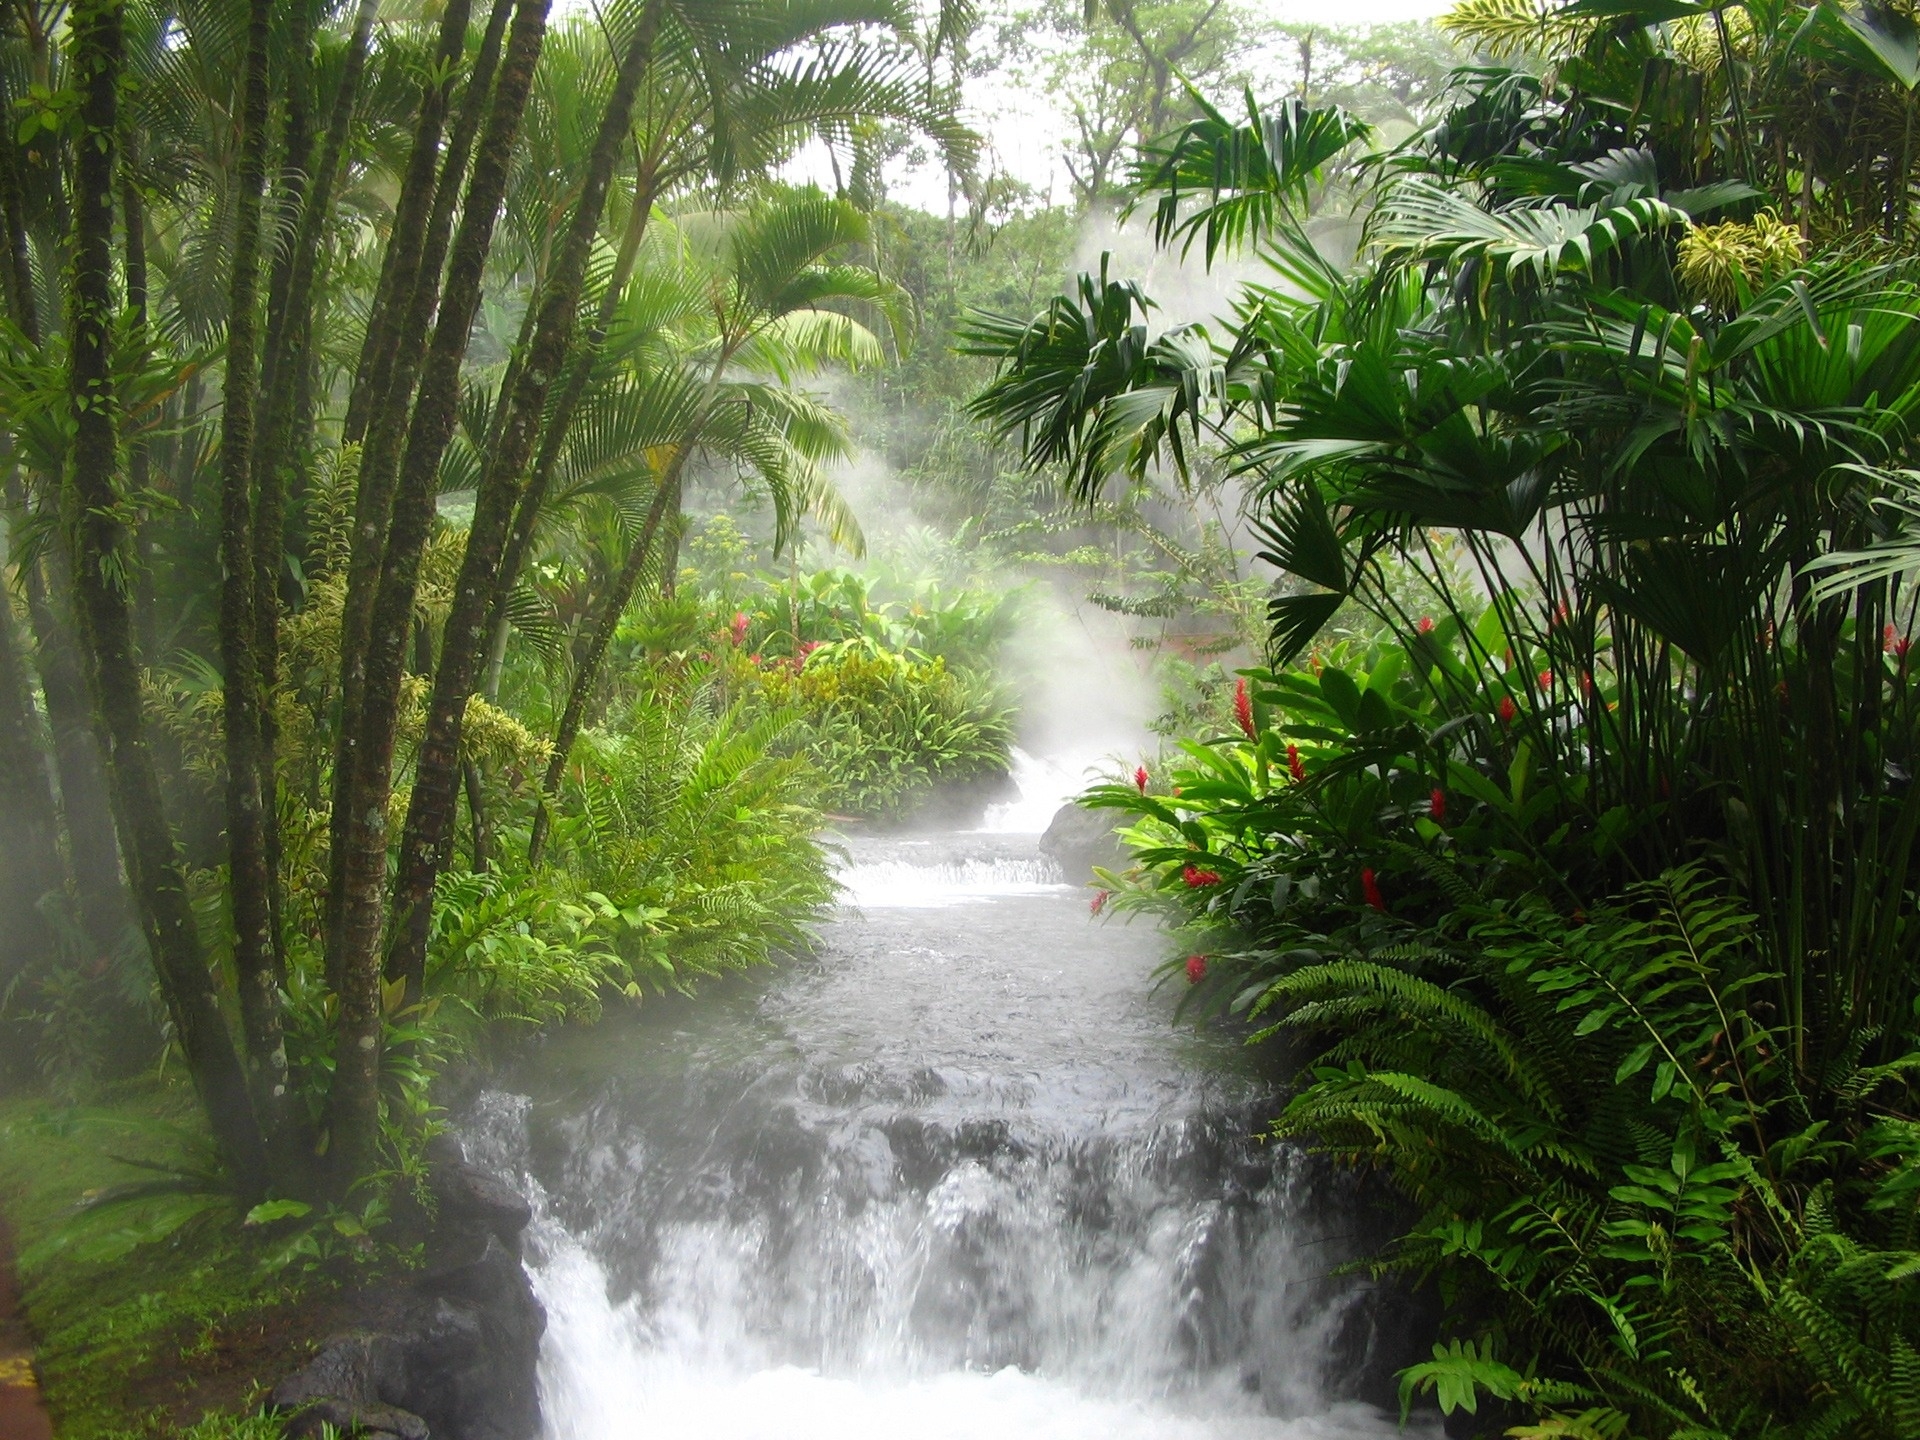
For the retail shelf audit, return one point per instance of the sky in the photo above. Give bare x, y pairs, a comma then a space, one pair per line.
1024, 131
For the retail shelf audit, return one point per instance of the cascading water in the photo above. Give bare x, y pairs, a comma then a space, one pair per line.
955, 1175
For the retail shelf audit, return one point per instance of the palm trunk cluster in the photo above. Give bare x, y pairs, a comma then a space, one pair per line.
82, 806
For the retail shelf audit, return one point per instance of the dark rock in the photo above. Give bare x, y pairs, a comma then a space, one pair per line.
471, 1199
1077, 839
459, 1359
347, 1417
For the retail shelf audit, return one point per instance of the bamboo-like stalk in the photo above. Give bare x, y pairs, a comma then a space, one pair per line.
428, 836
354, 1103
526, 518
256, 954
99, 536
383, 387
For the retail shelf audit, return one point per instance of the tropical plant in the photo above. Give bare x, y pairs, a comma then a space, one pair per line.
1643, 768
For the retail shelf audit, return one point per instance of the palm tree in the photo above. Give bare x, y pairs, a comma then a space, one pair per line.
780, 270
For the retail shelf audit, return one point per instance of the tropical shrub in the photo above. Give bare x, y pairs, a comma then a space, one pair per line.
884, 727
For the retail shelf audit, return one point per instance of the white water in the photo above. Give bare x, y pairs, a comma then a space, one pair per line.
1044, 784
956, 1177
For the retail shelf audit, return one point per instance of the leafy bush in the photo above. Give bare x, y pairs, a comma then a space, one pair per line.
691, 834
883, 727
1654, 1206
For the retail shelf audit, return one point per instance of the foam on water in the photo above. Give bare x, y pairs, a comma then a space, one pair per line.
904, 885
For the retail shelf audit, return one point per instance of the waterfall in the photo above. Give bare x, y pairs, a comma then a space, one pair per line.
955, 1175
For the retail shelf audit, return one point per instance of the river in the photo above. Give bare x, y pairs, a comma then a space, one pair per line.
955, 1176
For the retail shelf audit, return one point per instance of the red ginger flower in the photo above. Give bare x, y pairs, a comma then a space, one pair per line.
1196, 969
739, 627
1243, 707
1545, 678
1507, 710
1370, 891
1437, 805
1099, 902
1294, 766
1140, 778
1198, 879
1426, 624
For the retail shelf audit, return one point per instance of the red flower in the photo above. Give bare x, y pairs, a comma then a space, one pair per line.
1426, 624
1294, 766
1140, 779
1886, 639
1507, 710
1198, 879
739, 627
1370, 891
1586, 682
1900, 648
1243, 707
1545, 678
1196, 969
754, 659
1099, 902
1437, 805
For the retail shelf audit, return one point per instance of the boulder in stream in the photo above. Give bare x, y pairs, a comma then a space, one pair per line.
1077, 839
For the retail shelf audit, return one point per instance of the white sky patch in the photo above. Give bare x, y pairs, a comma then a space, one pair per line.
1026, 130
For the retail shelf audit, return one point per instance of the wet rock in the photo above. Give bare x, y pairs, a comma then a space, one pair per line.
1077, 839
459, 1360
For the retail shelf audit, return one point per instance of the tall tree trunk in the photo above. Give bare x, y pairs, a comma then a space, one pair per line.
93, 853
401, 265
133, 214
284, 371
526, 519
410, 284
428, 837
255, 951
354, 1105
28, 819
99, 538
586, 673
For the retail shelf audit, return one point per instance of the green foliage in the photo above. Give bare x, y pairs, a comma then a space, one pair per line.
886, 727
1584, 885
882, 678
128, 1299
692, 835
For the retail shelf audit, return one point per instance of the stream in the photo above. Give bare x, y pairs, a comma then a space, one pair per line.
954, 1176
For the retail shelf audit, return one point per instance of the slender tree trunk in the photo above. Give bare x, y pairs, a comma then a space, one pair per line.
28, 819
428, 838
477, 813
255, 951
410, 282
586, 674
99, 538
284, 372
401, 264
133, 214
93, 854
526, 519
354, 1105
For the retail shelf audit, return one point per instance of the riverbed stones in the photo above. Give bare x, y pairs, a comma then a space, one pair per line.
459, 1361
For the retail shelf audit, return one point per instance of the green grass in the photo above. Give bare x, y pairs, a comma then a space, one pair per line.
152, 1317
